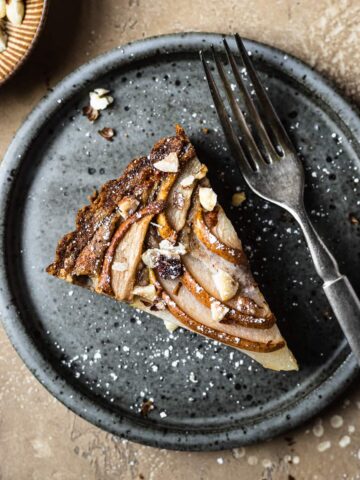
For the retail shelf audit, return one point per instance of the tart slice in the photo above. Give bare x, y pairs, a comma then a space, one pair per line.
157, 238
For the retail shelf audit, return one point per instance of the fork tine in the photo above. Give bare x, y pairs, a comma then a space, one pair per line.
225, 121
250, 105
248, 139
266, 105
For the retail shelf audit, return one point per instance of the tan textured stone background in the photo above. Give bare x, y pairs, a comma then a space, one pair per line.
39, 438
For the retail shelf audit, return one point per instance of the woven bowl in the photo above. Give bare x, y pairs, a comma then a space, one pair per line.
21, 39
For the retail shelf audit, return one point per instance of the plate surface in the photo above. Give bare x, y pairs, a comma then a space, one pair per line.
102, 359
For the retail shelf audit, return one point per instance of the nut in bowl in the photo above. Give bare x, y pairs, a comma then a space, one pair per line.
20, 24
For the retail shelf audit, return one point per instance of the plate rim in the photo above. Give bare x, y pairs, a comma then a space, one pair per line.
129, 427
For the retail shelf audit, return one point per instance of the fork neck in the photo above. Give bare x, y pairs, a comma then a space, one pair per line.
325, 264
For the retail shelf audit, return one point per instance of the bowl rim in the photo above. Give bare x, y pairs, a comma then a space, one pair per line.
31, 45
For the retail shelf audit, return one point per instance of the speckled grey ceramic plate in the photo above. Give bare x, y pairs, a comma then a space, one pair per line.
102, 359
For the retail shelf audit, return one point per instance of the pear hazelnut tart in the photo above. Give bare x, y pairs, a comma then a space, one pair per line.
157, 238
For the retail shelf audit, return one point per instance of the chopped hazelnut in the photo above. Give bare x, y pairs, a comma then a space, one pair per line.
170, 326
225, 285
15, 11
90, 113
202, 172
100, 101
168, 164
208, 198
127, 206
167, 245
218, 311
147, 293
353, 219
238, 198
187, 181
150, 257
146, 407
107, 133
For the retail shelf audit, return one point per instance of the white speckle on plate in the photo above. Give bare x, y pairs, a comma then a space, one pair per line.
318, 429
323, 446
97, 355
238, 452
336, 421
252, 460
344, 441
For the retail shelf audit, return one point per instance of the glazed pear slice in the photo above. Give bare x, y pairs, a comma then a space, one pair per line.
268, 339
156, 238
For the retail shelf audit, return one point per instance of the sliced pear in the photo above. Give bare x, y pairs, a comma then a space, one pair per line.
203, 328
129, 250
225, 231
89, 260
211, 242
176, 216
131, 246
279, 360
233, 316
270, 338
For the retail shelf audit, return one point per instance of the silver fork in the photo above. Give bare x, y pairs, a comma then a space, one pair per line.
271, 168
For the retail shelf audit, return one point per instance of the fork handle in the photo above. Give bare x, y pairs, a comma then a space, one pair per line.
346, 306
338, 290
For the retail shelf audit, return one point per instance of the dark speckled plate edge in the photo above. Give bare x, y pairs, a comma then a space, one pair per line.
281, 421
